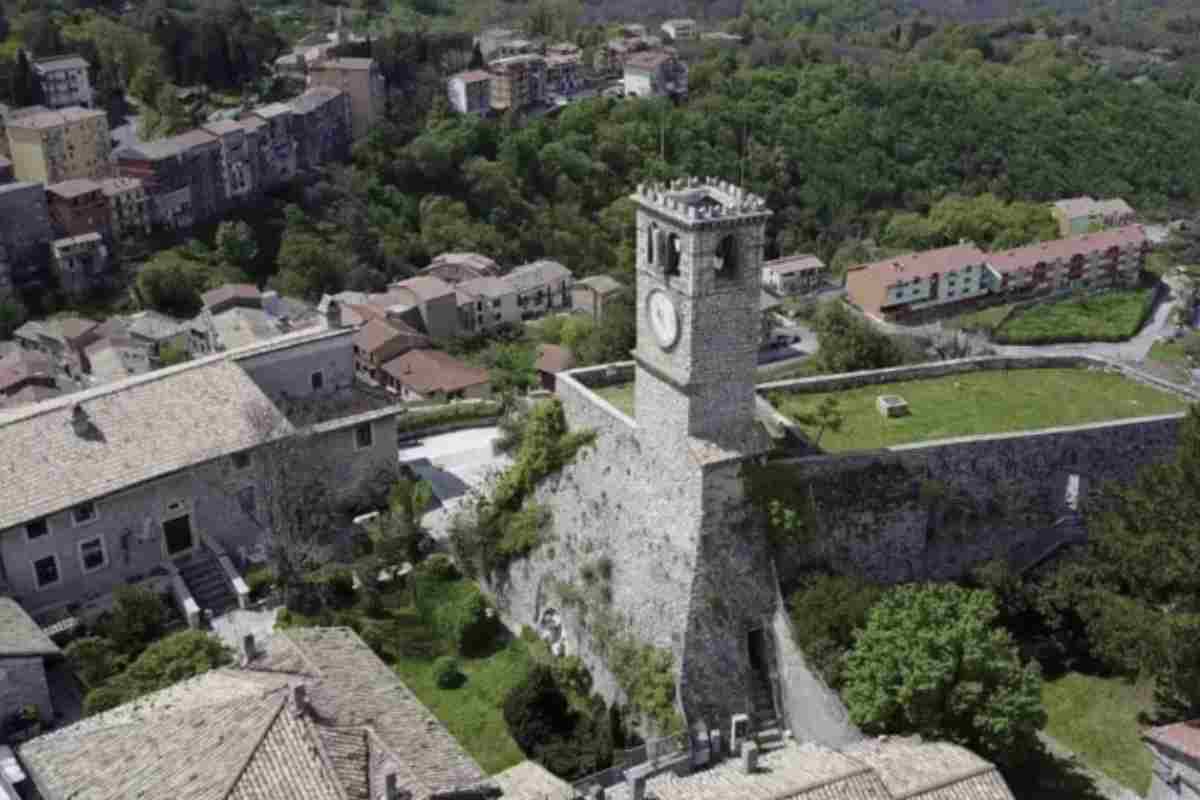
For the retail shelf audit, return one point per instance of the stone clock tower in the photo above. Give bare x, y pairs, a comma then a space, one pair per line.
699, 261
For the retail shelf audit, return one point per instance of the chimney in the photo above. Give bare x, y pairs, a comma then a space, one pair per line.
247, 648
333, 314
300, 696
80, 421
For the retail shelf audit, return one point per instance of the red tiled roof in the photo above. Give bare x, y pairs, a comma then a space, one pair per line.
1182, 737
378, 334
1028, 256
230, 291
867, 285
426, 371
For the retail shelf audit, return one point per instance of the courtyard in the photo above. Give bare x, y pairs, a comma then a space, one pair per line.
979, 403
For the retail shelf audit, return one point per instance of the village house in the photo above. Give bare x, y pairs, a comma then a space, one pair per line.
562, 74
590, 295
424, 375
323, 122
62, 338
551, 360
64, 81
458, 267
434, 302
22, 369
237, 158
80, 263
542, 287
153, 478
156, 331
77, 207
486, 303
470, 92
362, 80
24, 652
611, 56
1079, 215
115, 358
679, 29
797, 274
655, 73
378, 342
1175, 771
58, 145
181, 176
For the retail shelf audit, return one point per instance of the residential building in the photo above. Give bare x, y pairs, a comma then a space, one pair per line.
562, 74
362, 80
491, 39
541, 287
458, 267
798, 274
898, 286
7, 175
434, 302
155, 331
485, 304
237, 160
154, 467
471, 92
679, 29
611, 56
25, 235
378, 342
128, 209
518, 82
271, 127
211, 332
1093, 260
115, 358
590, 295
424, 374
77, 207
7, 114
24, 651
52, 146
80, 263
310, 713
181, 176
63, 339
64, 81
323, 126
1078, 215
21, 369
655, 73
517, 46
551, 360
1175, 772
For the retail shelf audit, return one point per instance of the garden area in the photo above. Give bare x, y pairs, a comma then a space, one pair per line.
1109, 317
972, 404
620, 395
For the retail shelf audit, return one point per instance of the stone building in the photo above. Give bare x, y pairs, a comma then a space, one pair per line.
182, 177
542, 287
77, 207
128, 209
24, 651
52, 146
237, 161
362, 80
25, 235
591, 294
322, 121
64, 81
80, 263
486, 303
270, 127
157, 479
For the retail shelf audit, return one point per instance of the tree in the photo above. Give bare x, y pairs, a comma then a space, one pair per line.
94, 660
827, 416
138, 618
170, 354
512, 369
146, 83
848, 343
536, 710
236, 243
931, 661
166, 662
396, 535
826, 612
171, 282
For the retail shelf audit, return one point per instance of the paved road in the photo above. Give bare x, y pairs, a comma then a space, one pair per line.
454, 464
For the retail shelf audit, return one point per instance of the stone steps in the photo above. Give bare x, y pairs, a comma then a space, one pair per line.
207, 582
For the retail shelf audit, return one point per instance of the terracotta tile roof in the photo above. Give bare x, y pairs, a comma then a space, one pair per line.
423, 287
426, 371
1182, 737
142, 428
867, 284
22, 365
20, 635
230, 291
554, 359
1083, 245
379, 334
792, 264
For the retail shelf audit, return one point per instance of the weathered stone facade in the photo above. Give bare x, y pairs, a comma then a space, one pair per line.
22, 684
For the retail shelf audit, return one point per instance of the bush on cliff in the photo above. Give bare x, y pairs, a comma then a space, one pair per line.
826, 612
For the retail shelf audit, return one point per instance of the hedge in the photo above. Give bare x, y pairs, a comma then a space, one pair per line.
444, 415
1094, 318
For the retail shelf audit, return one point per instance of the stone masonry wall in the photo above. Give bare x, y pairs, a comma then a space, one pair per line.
23, 683
932, 511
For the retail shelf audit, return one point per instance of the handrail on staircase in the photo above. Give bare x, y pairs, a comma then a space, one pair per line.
240, 588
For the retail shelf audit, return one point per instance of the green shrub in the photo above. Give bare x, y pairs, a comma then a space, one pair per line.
138, 618
94, 660
259, 579
445, 415
536, 711
447, 674
467, 622
170, 660
440, 567
375, 636
825, 613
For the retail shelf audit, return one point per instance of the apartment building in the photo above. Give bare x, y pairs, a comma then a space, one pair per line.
128, 210
518, 82
491, 39
1090, 261
181, 176
362, 80
25, 235
64, 81
80, 263
270, 127
323, 128
470, 92
611, 56
77, 207
562, 74
898, 286
58, 145
655, 73
237, 160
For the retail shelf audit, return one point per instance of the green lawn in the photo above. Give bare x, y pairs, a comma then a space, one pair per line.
620, 395
1109, 317
1098, 719
983, 402
985, 319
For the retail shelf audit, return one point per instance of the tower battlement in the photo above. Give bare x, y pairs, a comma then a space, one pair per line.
699, 200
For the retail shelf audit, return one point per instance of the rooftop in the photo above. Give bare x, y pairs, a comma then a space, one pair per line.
473, 76
314, 98
1182, 737
536, 275
83, 238
52, 119
242, 734
20, 635
231, 291
554, 359
239, 326
603, 284
1085, 244
344, 63
486, 286
377, 334
65, 61
422, 287
868, 283
74, 187
112, 186
428, 371
166, 148
789, 265
697, 200
21, 365
153, 325
223, 127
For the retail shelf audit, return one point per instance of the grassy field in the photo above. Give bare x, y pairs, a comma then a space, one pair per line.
984, 320
620, 395
983, 402
1109, 317
1098, 719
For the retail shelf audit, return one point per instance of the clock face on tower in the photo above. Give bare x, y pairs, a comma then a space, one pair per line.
664, 320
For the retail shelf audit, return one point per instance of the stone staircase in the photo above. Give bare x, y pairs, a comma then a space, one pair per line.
207, 582
768, 732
